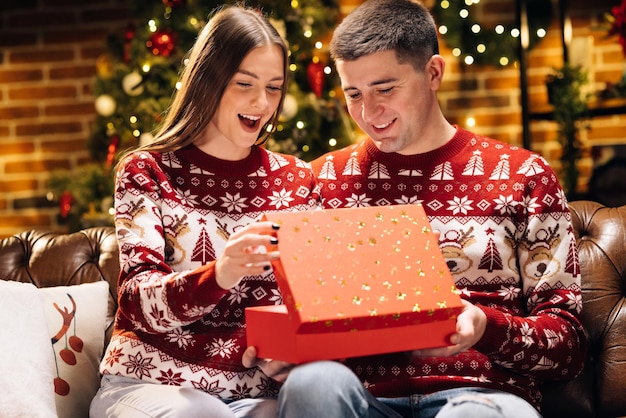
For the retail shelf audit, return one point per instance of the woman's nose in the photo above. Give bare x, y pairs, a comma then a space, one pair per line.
260, 99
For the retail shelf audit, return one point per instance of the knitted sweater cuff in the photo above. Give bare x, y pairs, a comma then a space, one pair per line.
209, 292
497, 331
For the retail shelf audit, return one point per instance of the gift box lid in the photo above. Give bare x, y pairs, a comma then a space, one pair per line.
362, 268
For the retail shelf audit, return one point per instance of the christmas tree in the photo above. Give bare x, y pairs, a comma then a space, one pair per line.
138, 73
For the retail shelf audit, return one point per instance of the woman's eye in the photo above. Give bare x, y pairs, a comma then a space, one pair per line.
243, 84
275, 88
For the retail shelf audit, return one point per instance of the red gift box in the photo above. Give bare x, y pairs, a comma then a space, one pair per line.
355, 281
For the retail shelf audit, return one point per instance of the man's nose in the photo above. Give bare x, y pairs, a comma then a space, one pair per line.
370, 109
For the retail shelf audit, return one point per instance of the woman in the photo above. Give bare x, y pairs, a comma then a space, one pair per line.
191, 243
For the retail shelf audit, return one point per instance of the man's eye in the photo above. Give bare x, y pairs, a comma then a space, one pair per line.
353, 96
385, 91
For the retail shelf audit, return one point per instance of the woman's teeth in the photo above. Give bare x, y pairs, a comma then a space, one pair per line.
249, 119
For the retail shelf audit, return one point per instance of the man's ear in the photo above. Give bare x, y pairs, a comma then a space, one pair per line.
434, 71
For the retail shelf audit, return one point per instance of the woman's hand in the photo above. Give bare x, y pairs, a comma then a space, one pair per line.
245, 254
277, 370
470, 327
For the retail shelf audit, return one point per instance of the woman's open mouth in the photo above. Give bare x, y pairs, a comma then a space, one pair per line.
250, 121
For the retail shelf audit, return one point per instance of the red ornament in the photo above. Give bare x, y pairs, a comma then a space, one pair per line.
619, 24
162, 42
315, 73
129, 35
113, 144
174, 3
65, 203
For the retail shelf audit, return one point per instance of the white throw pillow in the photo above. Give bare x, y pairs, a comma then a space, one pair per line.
26, 359
77, 321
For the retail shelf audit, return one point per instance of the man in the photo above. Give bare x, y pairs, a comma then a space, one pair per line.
502, 216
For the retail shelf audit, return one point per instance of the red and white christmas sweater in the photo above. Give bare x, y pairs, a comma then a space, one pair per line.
507, 238
174, 214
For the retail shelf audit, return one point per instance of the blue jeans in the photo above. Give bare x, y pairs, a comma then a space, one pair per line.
327, 389
323, 389
462, 403
330, 390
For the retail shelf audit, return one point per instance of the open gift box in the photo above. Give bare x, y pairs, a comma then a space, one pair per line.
355, 282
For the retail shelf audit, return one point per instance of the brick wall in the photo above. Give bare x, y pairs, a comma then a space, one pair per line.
492, 97
48, 51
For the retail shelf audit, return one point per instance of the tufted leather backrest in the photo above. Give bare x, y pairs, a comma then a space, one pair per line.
600, 391
49, 259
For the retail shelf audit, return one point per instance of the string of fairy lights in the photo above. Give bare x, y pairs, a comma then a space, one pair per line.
473, 42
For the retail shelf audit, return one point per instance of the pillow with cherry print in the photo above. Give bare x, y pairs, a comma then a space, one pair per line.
76, 317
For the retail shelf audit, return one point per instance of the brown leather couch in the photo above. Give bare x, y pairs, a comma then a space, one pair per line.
600, 391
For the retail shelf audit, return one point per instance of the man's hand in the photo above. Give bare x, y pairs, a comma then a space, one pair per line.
277, 370
470, 327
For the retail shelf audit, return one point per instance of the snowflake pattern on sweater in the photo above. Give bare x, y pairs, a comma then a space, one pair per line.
174, 214
507, 238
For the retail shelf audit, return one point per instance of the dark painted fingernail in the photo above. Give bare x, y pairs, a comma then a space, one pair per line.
273, 240
266, 268
275, 227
